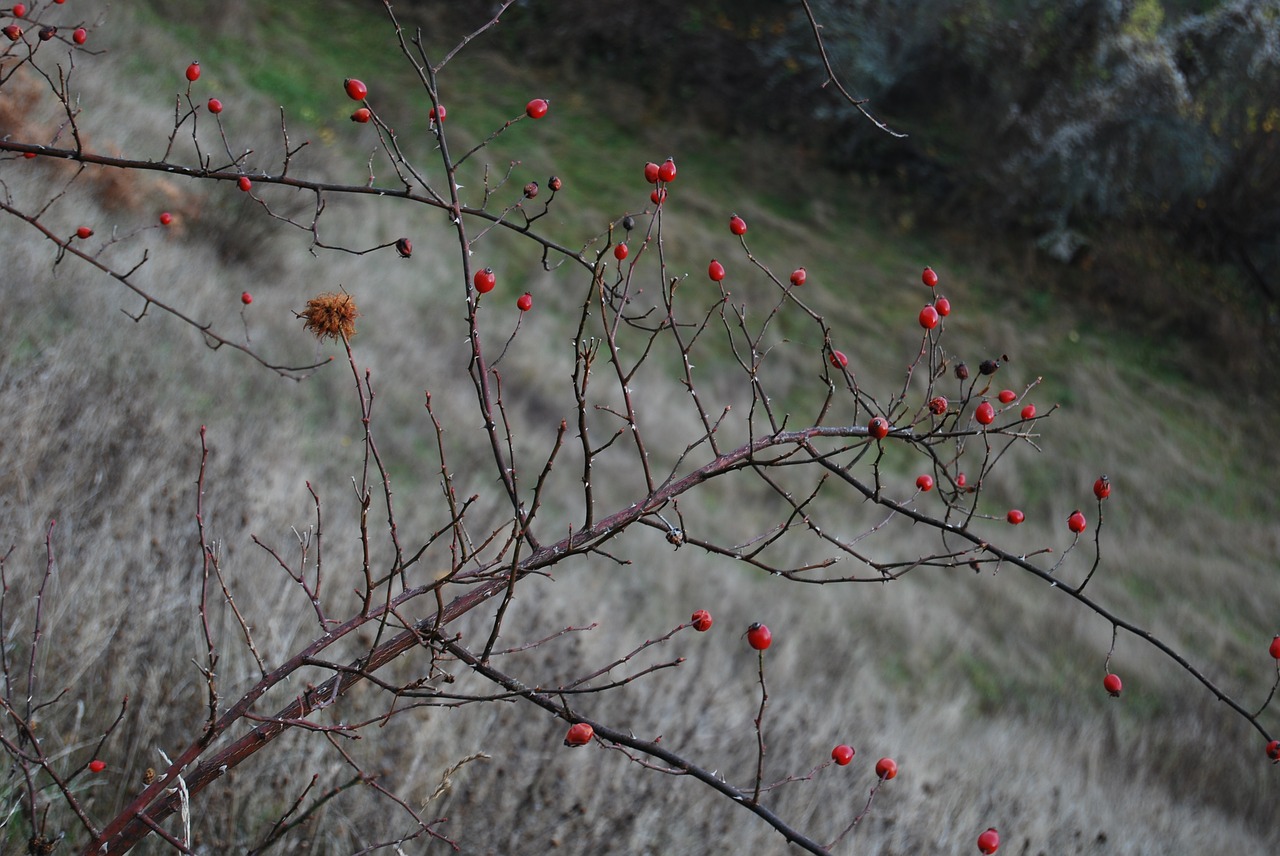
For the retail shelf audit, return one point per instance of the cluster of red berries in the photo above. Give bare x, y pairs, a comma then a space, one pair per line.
936, 310
1273, 747
660, 175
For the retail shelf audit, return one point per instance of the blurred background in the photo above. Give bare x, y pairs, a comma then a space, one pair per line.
1095, 183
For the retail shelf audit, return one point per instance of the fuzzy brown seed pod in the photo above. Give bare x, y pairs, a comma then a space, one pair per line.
332, 315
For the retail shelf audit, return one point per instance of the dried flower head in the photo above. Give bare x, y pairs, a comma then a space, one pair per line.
331, 315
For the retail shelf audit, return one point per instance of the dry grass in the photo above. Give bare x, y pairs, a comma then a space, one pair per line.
984, 687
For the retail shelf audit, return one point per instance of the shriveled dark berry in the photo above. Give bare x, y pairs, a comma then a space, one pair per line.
962, 371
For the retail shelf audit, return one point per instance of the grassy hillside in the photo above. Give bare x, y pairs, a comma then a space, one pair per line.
985, 687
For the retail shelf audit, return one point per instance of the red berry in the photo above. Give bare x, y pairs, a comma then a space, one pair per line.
620, 252
929, 277
244, 183
1076, 522
924, 482
928, 318
651, 172
961, 481
1015, 516
737, 225
404, 247
938, 406
215, 106
246, 298
659, 195
525, 302
437, 113
193, 72
13, 31
1273, 750
701, 621
80, 35
83, 232
536, 109
715, 270
838, 359
1112, 684
1102, 487
759, 637
361, 115
1029, 412
555, 183
165, 218
96, 766
1007, 396
29, 155
943, 305
485, 280
886, 768
580, 734
878, 428
356, 90
1275, 647
842, 754
798, 276
985, 413
19, 9
989, 841
667, 172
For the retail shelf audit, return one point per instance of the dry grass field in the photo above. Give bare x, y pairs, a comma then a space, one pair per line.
985, 687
